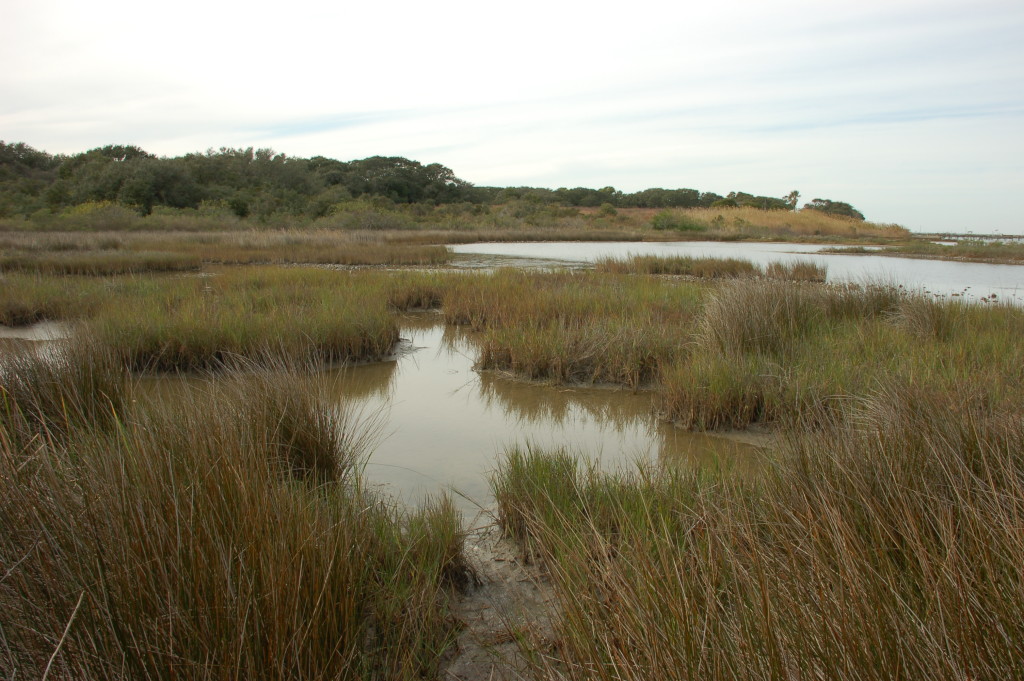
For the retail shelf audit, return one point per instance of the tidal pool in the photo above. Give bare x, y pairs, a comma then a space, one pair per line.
445, 425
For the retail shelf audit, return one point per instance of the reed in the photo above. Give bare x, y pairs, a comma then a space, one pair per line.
782, 352
100, 263
971, 250
752, 223
46, 398
186, 324
796, 271
888, 541
701, 268
109, 253
222, 535
580, 327
29, 298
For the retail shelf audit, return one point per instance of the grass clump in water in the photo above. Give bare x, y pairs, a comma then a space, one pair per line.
701, 268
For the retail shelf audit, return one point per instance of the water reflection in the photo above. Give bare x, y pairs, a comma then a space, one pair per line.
446, 424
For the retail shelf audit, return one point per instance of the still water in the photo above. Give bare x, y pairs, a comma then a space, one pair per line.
975, 280
444, 425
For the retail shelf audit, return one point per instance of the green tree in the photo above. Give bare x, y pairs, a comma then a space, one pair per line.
834, 208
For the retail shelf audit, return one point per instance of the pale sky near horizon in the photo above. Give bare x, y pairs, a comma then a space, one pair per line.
912, 111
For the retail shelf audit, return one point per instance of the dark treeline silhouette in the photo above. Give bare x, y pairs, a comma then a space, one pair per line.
260, 183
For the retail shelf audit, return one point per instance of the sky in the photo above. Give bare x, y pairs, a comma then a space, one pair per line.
911, 111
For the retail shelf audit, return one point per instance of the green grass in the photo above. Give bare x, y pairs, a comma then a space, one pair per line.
225, 534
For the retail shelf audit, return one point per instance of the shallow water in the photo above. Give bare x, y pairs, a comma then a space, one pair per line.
445, 424
42, 331
974, 280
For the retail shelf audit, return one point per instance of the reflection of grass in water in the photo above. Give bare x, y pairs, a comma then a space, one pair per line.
530, 402
368, 381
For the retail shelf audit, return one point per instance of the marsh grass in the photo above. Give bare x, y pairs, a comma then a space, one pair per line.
47, 395
109, 253
701, 268
800, 270
223, 535
782, 352
888, 542
972, 250
711, 268
581, 327
29, 298
99, 263
197, 323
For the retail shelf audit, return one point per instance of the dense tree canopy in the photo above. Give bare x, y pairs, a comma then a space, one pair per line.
262, 182
834, 208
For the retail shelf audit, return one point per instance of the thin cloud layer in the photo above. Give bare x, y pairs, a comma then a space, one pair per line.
911, 111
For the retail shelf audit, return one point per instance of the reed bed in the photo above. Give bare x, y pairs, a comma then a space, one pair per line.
781, 352
222, 535
201, 322
887, 544
711, 268
580, 327
29, 298
110, 253
100, 263
799, 270
701, 268
972, 250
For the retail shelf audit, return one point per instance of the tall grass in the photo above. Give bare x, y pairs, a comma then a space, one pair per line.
574, 327
888, 544
99, 263
701, 268
109, 253
710, 268
973, 250
750, 223
774, 351
29, 298
185, 324
48, 395
225, 535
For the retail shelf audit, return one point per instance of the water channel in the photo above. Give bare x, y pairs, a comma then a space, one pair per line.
446, 425
943, 277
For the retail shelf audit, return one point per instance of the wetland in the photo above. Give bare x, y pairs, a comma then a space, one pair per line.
276, 470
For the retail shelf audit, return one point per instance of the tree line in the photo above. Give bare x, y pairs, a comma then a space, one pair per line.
260, 183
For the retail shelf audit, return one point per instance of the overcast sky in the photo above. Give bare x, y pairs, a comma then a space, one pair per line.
911, 111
